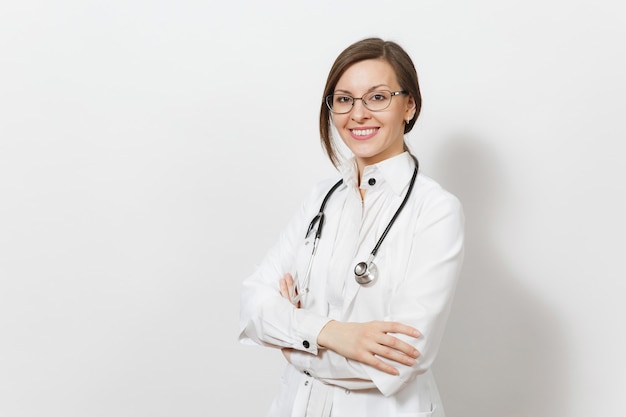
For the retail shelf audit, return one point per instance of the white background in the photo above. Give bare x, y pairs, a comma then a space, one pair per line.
151, 151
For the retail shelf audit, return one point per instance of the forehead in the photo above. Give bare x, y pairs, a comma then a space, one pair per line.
364, 75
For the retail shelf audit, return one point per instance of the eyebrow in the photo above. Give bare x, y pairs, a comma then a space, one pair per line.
373, 88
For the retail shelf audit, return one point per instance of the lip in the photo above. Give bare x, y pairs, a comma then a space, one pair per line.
364, 133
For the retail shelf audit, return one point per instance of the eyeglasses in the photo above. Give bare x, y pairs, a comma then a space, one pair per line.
373, 101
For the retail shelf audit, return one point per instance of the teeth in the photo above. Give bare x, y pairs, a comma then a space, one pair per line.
363, 132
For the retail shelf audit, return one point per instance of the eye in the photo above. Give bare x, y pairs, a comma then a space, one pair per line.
378, 96
343, 99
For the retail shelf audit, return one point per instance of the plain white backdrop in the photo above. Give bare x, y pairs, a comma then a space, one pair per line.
151, 151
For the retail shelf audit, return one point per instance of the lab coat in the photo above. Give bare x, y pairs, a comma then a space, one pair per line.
419, 263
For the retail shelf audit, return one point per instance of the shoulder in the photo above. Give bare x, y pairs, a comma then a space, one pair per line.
317, 193
322, 188
433, 199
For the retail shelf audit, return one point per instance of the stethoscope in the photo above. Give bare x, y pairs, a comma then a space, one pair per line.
364, 272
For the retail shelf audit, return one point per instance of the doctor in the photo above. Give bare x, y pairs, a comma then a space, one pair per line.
359, 310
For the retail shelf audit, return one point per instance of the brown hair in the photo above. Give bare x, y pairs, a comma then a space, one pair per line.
370, 48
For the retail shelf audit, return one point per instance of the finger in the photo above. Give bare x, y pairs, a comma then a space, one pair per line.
401, 328
382, 366
398, 345
283, 288
289, 284
389, 348
395, 355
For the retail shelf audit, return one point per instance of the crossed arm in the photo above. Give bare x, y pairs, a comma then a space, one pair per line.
368, 343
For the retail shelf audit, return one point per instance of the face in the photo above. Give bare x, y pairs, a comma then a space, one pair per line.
372, 136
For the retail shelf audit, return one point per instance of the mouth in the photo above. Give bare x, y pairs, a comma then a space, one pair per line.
361, 134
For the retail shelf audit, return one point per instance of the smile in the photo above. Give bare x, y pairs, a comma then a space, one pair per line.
363, 133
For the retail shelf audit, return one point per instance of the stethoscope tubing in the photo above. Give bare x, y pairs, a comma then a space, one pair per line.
397, 213
365, 272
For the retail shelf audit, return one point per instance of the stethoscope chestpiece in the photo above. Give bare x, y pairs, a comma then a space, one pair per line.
365, 273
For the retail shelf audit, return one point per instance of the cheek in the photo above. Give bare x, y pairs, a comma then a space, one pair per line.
338, 120
340, 123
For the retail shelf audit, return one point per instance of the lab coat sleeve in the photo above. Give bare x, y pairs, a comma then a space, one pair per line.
266, 318
334, 369
422, 300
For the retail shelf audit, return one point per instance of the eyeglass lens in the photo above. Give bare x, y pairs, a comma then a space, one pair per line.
375, 101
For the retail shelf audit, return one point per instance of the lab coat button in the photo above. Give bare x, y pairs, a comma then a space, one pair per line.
347, 391
307, 373
371, 181
306, 344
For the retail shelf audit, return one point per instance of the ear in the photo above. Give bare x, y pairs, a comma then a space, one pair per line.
409, 111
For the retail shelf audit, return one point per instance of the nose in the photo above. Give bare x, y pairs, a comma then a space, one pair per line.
359, 111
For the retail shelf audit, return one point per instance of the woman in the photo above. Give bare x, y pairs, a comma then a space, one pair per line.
360, 317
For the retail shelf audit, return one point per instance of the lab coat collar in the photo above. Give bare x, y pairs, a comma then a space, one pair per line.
395, 171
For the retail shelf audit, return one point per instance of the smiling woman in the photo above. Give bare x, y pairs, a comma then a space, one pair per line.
373, 130
345, 326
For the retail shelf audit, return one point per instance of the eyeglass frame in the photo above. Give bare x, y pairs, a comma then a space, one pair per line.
392, 93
